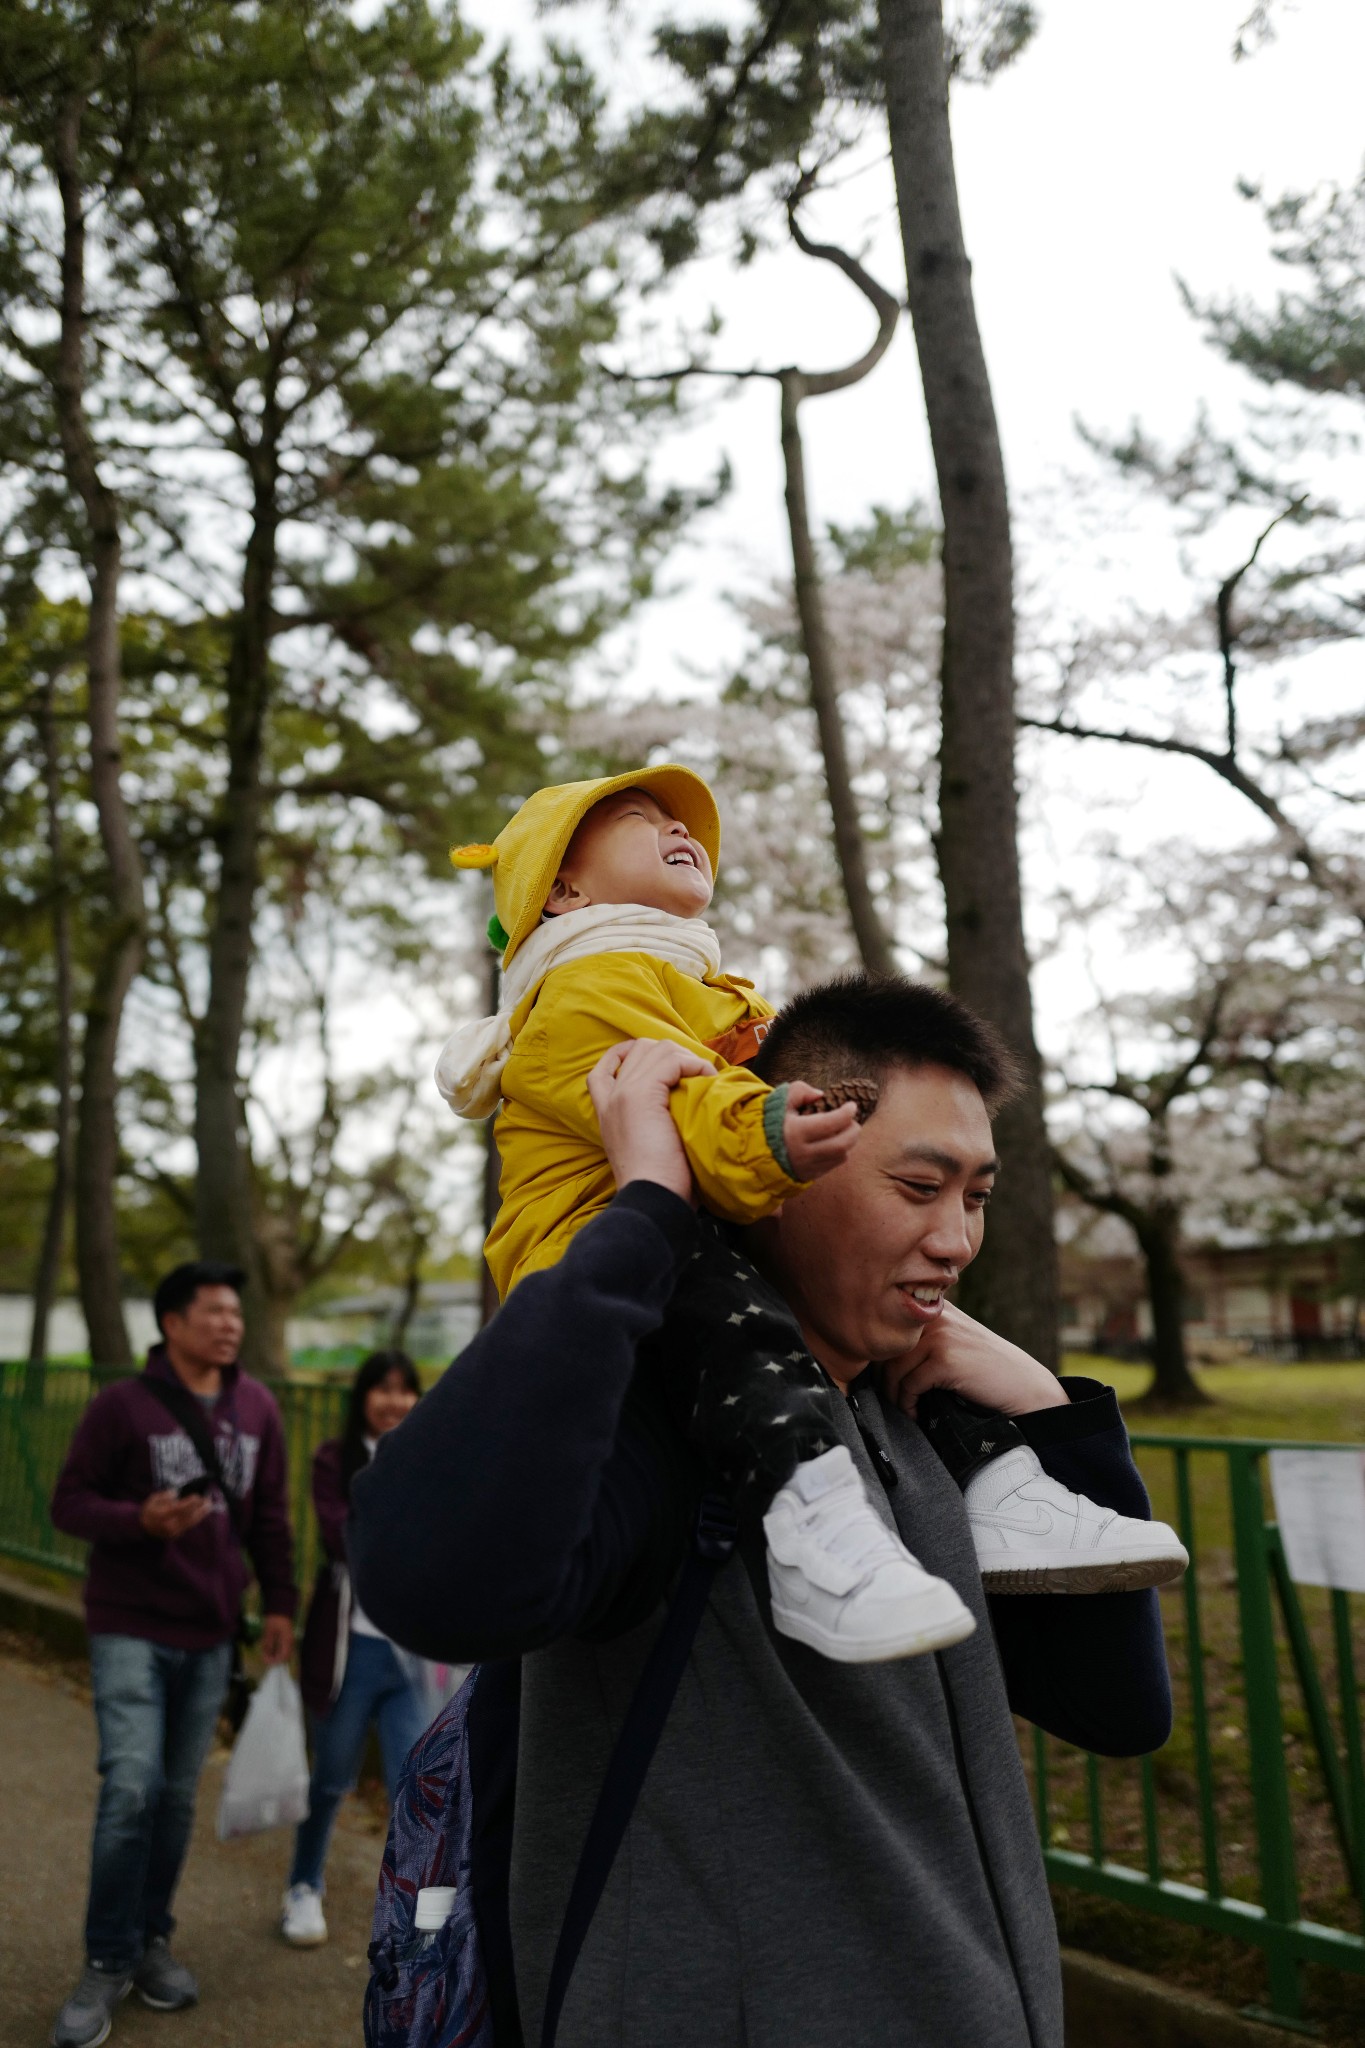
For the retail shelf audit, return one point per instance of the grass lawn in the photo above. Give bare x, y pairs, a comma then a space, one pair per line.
1310, 1403
1300, 1403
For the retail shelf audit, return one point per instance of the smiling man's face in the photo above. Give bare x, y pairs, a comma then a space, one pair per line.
629, 850
865, 1256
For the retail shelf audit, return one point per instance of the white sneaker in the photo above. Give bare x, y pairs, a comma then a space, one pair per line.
302, 1924
1033, 1535
844, 1583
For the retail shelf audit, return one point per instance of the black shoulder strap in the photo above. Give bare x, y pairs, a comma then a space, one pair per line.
188, 1411
712, 1543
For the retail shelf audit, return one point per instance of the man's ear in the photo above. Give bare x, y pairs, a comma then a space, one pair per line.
564, 896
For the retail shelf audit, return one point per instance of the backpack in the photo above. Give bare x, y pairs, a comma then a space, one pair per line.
433, 1990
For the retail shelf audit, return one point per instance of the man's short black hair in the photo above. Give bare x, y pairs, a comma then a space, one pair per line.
175, 1293
867, 1025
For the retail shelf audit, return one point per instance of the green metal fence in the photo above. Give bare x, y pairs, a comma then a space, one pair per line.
1251, 1822
40, 1407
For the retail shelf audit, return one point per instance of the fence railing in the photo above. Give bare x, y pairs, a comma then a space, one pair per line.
1251, 1821
40, 1407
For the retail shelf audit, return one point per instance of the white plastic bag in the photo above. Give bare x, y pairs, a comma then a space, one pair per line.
266, 1781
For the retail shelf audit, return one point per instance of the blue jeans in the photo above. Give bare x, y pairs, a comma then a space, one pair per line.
156, 1709
374, 1688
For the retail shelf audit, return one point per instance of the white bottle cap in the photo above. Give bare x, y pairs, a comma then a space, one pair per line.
435, 1904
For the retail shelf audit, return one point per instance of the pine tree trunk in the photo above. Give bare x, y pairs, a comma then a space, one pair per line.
124, 939
224, 1202
874, 946
47, 1276
1173, 1384
1013, 1285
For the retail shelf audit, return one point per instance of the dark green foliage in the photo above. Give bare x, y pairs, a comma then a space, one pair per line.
755, 99
1313, 337
887, 541
347, 284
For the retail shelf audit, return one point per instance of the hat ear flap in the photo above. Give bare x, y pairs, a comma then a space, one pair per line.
479, 856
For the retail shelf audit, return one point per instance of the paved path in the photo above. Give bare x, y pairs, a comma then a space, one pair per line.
255, 1992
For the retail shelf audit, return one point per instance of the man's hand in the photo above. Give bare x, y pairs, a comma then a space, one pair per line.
165, 1516
277, 1639
822, 1139
958, 1353
630, 1086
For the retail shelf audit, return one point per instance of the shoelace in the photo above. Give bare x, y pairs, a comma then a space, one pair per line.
850, 1528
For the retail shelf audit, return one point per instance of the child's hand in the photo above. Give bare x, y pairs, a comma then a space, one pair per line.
821, 1140
954, 1351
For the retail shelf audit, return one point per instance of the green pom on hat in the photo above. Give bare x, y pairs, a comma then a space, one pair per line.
497, 937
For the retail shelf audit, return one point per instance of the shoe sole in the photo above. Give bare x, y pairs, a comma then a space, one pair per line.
305, 1940
1126, 1575
840, 1651
166, 2004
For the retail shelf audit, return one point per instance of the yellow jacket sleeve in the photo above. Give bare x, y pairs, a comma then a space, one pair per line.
585, 1008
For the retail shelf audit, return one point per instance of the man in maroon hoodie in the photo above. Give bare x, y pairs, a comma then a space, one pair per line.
168, 1566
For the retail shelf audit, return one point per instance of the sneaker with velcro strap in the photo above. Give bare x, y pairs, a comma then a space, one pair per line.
841, 1580
1034, 1535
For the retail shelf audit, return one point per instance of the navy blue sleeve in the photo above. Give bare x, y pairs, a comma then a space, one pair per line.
1091, 1669
512, 1506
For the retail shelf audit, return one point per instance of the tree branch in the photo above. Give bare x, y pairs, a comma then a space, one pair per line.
1222, 765
886, 305
1227, 638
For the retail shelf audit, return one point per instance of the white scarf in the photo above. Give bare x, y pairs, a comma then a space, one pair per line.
469, 1070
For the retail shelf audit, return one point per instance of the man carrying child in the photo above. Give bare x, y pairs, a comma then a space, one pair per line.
823, 1851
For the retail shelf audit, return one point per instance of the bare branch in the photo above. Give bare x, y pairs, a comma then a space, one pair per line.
1222, 765
1227, 637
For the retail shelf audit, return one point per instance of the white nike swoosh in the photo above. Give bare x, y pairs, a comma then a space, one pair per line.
1039, 1525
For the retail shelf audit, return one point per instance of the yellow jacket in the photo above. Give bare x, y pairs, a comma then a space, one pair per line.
555, 1175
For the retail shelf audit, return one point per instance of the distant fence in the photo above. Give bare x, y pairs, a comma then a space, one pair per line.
1307, 1350
40, 1406
1278, 1350
1251, 1822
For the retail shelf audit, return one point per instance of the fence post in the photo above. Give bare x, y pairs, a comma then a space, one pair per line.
1265, 1731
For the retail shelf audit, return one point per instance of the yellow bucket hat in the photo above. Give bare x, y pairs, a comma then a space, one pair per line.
529, 851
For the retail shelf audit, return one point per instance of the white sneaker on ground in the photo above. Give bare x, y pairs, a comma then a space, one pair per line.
302, 1924
842, 1581
1033, 1535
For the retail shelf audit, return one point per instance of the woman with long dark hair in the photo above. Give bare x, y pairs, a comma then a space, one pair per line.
350, 1675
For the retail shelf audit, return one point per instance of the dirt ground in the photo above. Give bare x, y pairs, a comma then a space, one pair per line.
253, 1990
